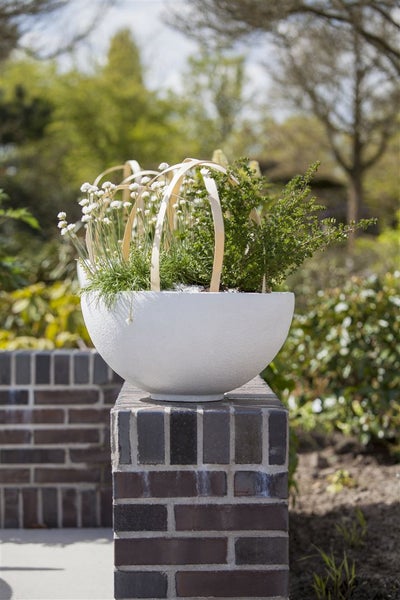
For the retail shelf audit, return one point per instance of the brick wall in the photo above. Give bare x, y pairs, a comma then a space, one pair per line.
54, 439
200, 497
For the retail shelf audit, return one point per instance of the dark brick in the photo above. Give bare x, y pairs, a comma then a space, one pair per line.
69, 508
183, 437
169, 484
32, 455
5, 368
30, 507
151, 445
248, 436
11, 508
89, 415
124, 445
265, 485
42, 368
137, 584
14, 475
14, 396
110, 394
66, 396
61, 369
49, 507
170, 551
59, 475
277, 437
66, 436
106, 508
81, 367
89, 508
228, 517
140, 517
100, 370
216, 436
238, 584
15, 436
23, 368
262, 551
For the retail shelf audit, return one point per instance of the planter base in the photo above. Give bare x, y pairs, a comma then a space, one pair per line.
187, 397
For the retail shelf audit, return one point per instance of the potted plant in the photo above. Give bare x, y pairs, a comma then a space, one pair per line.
177, 268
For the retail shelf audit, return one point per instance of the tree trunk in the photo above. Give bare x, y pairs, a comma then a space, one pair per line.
354, 202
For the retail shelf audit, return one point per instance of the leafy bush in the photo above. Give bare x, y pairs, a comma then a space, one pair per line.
42, 316
341, 363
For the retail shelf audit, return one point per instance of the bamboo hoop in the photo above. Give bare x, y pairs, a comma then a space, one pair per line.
178, 172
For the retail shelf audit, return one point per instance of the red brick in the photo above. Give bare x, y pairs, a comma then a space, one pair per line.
89, 415
11, 507
30, 507
32, 455
66, 396
228, 517
69, 508
15, 436
14, 475
66, 436
233, 584
59, 475
93, 455
30, 415
170, 551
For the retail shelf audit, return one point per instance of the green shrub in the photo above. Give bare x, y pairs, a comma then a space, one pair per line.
340, 366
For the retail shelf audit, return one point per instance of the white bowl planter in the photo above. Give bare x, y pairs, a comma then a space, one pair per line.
189, 346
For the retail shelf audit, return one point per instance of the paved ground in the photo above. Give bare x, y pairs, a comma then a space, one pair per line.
56, 564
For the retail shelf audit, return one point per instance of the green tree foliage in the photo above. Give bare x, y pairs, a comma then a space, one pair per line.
213, 100
97, 120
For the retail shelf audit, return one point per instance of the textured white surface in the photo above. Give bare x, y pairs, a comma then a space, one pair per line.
189, 346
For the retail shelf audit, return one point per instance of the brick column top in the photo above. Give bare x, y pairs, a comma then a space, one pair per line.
254, 393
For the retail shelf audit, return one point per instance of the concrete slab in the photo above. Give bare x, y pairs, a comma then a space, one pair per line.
56, 564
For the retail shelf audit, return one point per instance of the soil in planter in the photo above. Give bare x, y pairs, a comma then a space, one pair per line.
371, 485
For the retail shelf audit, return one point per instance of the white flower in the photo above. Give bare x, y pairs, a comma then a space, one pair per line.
107, 221
62, 216
134, 186
86, 218
85, 187
62, 224
107, 185
100, 193
88, 209
145, 180
145, 194
163, 166
84, 201
127, 204
116, 204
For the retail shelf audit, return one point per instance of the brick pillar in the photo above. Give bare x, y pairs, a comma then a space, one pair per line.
200, 496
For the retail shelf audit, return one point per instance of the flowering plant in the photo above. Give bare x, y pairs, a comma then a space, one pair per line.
265, 236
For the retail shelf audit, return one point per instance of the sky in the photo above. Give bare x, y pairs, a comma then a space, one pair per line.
164, 51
